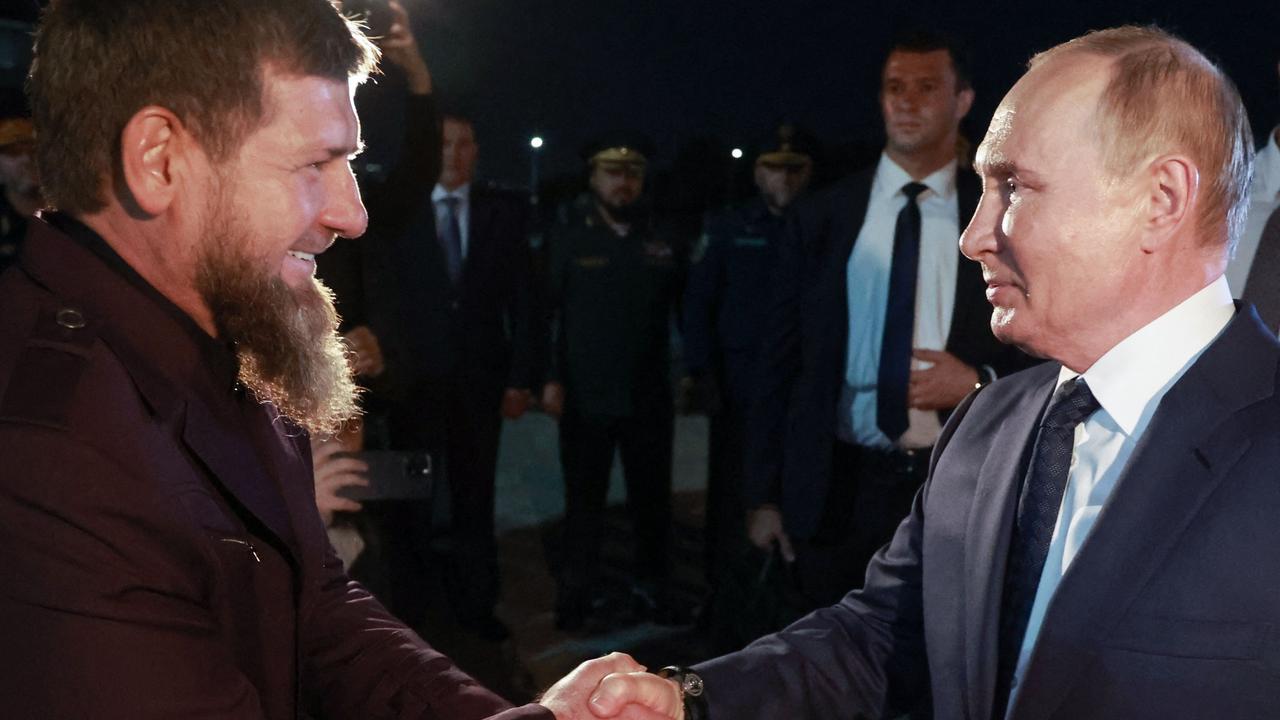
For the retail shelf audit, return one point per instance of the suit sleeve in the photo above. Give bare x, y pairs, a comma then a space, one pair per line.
701, 295
778, 368
864, 656
99, 618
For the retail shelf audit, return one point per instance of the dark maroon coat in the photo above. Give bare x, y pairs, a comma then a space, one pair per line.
160, 551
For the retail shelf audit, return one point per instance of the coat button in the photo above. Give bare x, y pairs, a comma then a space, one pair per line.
70, 318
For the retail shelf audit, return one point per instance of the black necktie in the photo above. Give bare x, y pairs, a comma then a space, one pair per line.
1038, 506
899, 319
1263, 286
451, 238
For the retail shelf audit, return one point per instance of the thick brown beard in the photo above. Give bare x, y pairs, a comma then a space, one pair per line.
286, 340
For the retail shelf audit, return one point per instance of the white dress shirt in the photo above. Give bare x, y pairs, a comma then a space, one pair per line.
463, 193
868, 292
1128, 382
1264, 197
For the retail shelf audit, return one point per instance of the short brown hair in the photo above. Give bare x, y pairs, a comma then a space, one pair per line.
1164, 95
97, 62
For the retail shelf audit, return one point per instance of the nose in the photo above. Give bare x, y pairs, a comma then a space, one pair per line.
344, 211
907, 100
979, 238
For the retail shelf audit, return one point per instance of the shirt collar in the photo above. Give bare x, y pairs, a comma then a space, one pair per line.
890, 177
462, 192
1131, 378
1266, 171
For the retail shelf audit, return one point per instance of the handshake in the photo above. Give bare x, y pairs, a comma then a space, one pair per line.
614, 686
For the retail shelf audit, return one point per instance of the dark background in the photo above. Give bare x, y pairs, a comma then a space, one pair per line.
702, 76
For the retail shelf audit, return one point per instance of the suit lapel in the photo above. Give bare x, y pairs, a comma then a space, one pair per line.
846, 223
1182, 457
987, 536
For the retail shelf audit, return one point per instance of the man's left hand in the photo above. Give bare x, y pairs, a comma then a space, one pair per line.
942, 386
365, 350
515, 401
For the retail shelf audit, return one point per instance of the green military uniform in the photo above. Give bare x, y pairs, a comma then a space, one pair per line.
611, 299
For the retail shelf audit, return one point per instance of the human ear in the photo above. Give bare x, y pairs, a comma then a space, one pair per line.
964, 101
154, 149
1173, 189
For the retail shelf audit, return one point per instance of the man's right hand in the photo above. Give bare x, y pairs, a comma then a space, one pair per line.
400, 48
637, 694
575, 696
764, 527
334, 473
553, 399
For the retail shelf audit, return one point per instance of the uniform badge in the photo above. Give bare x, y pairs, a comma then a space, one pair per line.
657, 250
700, 248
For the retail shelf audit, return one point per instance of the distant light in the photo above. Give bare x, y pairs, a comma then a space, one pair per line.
737, 153
535, 142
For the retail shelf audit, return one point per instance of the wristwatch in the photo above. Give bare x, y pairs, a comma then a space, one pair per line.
692, 691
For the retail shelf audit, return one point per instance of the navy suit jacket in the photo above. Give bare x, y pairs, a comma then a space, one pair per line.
791, 427
1171, 608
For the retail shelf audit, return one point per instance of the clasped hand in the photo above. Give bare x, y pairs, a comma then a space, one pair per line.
614, 686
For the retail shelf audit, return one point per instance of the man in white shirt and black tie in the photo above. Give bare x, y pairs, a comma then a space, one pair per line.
876, 330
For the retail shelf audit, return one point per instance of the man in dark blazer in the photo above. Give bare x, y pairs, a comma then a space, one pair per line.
164, 351
826, 482
450, 297
1096, 536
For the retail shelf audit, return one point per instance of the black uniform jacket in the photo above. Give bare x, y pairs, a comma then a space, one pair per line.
160, 551
727, 295
611, 300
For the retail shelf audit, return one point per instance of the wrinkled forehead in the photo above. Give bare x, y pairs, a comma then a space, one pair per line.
1050, 114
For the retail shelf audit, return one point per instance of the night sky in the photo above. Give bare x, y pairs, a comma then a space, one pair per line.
724, 70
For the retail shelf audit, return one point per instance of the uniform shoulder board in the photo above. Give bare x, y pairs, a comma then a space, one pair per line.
43, 384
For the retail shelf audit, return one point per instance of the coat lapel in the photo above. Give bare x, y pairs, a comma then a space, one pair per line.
219, 443
987, 536
1183, 456
846, 222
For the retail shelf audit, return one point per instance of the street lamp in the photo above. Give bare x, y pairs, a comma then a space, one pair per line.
736, 153
535, 145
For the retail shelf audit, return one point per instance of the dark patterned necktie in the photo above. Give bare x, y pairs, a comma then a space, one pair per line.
451, 238
899, 319
1263, 286
1037, 514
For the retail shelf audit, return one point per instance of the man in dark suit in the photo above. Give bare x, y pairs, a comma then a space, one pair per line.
725, 300
450, 296
876, 330
1096, 536
164, 351
1254, 270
